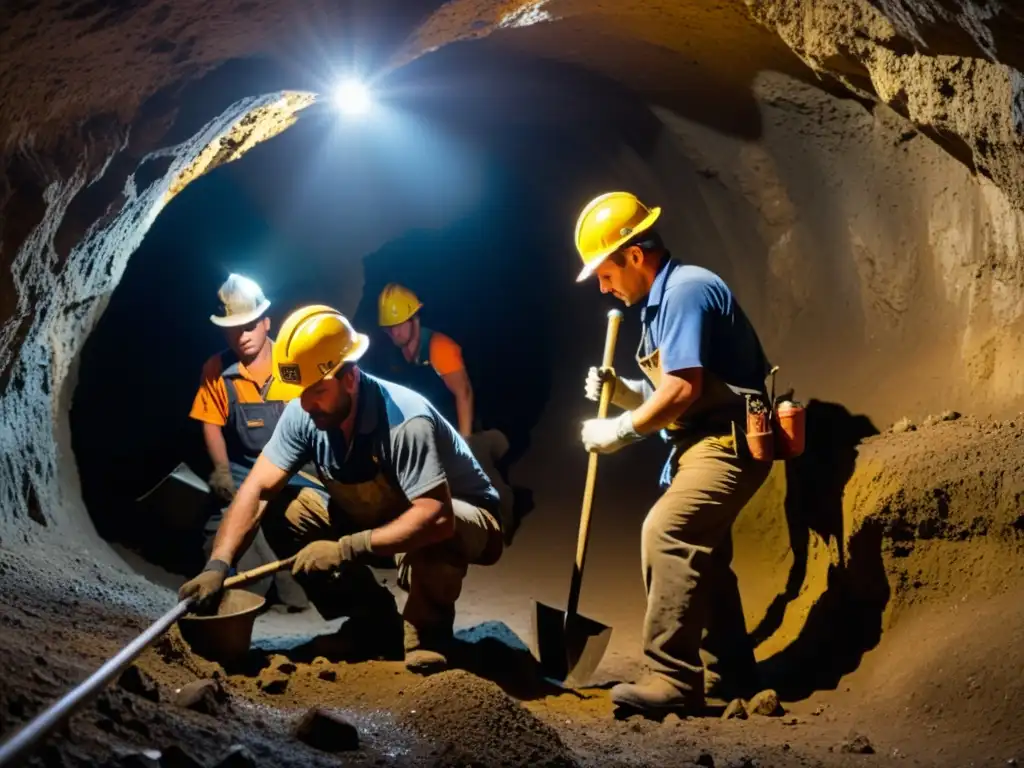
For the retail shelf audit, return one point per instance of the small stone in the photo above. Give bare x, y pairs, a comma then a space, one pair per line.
818, 710
326, 731
328, 674
903, 425
236, 757
736, 710
176, 757
705, 759
319, 661
134, 680
1012, 761
791, 721
765, 704
856, 744
206, 696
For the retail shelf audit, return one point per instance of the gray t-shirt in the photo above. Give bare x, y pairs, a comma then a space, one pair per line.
402, 448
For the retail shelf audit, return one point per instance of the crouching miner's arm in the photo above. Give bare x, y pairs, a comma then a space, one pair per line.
236, 531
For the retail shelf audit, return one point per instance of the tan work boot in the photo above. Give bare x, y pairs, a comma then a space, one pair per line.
657, 696
425, 649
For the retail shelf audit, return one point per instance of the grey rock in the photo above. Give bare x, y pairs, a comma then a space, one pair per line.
206, 696
327, 731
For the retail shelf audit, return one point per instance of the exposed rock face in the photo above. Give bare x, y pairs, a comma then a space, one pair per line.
99, 127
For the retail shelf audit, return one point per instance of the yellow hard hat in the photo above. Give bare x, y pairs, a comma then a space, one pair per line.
312, 344
607, 223
396, 305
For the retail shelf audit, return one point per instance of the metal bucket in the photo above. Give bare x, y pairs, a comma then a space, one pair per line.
224, 637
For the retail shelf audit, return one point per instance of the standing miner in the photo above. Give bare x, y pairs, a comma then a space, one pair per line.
239, 415
404, 490
700, 356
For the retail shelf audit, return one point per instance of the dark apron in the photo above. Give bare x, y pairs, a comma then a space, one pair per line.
419, 376
720, 410
249, 428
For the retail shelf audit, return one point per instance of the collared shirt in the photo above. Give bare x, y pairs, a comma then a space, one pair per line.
693, 320
399, 435
211, 401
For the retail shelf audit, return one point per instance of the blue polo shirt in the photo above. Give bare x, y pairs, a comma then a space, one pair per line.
694, 321
692, 318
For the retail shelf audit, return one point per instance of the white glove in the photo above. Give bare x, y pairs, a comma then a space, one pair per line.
627, 394
609, 435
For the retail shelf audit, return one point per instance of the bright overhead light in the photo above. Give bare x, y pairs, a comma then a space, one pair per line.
352, 97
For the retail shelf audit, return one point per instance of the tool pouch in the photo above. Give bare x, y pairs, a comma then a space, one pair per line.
760, 437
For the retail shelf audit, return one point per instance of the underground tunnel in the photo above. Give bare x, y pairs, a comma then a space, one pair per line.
851, 171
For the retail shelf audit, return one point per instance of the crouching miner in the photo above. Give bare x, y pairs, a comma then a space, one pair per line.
404, 491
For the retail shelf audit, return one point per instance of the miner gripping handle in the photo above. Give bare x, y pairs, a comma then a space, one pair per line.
31, 733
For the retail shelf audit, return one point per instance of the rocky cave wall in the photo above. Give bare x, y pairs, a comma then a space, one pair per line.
887, 219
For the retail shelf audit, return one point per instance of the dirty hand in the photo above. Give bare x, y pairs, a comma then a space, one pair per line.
221, 483
328, 555
626, 393
609, 435
207, 585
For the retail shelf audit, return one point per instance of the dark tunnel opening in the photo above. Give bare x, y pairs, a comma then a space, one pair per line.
327, 213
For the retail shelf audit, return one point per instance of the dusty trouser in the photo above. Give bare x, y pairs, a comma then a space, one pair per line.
432, 575
692, 594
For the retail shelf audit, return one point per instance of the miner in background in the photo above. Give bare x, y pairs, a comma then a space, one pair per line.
404, 490
239, 415
700, 356
431, 363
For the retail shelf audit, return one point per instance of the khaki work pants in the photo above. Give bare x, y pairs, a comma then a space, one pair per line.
432, 575
692, 595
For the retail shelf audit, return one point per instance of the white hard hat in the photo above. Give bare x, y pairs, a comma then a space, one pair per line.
242, 301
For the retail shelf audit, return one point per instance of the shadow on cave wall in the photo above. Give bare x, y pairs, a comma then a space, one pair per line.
846, 621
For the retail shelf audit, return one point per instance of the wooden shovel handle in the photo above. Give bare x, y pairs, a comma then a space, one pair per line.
247, 577
610, 339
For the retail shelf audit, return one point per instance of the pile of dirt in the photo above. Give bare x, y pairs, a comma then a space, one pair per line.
472, 722
946, 499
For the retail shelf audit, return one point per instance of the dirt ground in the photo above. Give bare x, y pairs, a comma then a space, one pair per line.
923, 660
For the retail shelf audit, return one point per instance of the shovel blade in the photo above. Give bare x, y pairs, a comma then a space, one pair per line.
570, 648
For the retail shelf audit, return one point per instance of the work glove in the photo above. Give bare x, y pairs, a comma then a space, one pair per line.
627, 394
207, 586
609, 435
323, 556
221, 483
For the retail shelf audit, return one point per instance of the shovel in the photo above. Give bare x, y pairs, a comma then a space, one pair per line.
570, 646
19, 745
